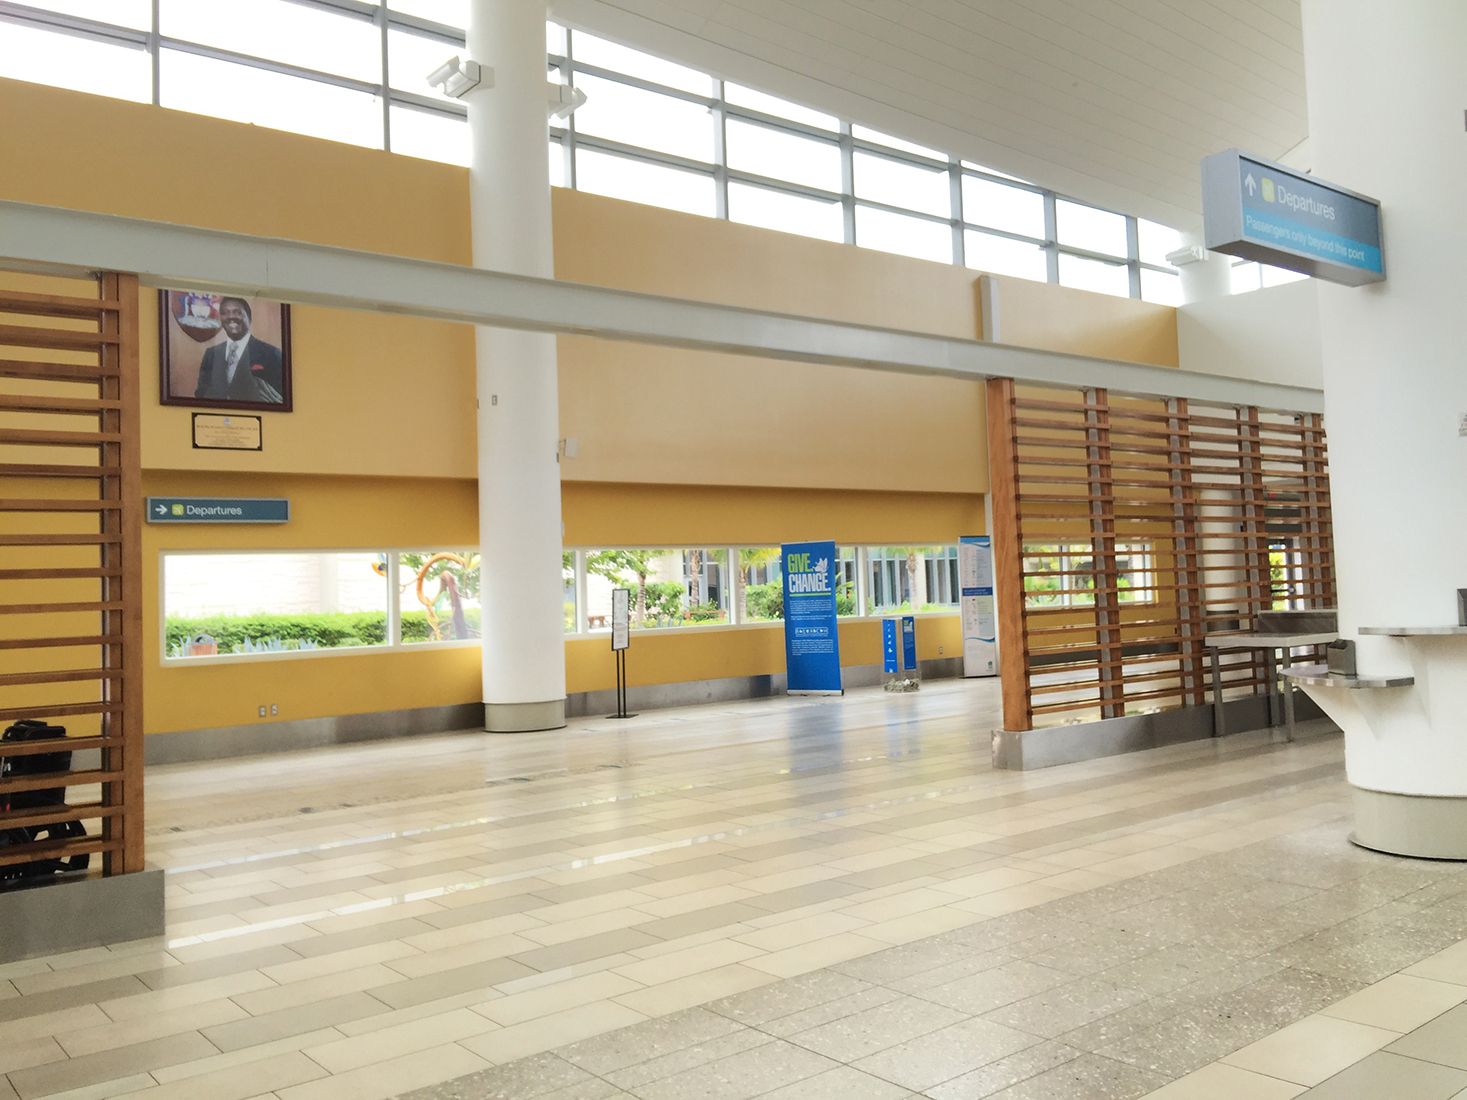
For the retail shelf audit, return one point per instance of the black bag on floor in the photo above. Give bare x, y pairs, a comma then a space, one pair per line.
22, 767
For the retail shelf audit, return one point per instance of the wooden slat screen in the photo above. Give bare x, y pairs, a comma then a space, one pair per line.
1127, 528
70, 563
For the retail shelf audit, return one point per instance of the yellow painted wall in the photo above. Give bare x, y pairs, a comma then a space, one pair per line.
676, 448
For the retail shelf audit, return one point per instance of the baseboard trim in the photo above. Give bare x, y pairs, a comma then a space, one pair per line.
49, 916
1026, 750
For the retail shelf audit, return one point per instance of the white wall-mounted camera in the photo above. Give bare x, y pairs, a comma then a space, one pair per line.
457, 78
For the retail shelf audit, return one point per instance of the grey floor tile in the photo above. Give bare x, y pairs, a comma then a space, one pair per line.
447, 983
782, 999
1443, 1040
1088, 1077
584, 950
996, 987
1098, 951
841, 1083
1100, 1033
172, 977
700, 920
536, 1076
744, 1075
942, 975
54, 1000
293, 1021
1065, 1007
812, 893
884, 967
1185, 1041
946, 1053
332, 942
1385, 1076
110, 1065
873, 1029
1169, 968
676, 1063
644, 1042
999, 1075
838, 1009
7, 1092
628, 880
484, 910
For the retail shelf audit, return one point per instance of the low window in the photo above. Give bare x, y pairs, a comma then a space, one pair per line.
1063, 574
224, 604
438, 596
904, 579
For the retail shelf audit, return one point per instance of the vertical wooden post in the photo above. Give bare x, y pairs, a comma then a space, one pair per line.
1106, 578
1008, 560
1186, 559
1319, 586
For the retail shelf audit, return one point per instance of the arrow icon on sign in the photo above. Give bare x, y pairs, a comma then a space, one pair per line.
162, 510
1248, 183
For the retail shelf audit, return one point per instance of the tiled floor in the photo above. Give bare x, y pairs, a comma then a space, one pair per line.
784, 898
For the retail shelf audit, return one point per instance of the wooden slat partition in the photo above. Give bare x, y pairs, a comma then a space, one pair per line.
70, 562
1126, 529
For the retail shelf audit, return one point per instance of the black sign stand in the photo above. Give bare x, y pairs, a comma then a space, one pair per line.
620, 642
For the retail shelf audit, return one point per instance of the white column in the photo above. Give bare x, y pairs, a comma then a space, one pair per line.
1387, 89
519, 471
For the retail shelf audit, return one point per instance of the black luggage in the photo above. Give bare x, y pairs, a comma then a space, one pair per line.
13, 835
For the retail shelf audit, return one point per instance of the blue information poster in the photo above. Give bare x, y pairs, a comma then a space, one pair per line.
980, 632
889, 647
909, 644
811, 638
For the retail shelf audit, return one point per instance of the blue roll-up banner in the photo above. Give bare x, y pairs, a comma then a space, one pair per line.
811, 636
909, 644
889, 647
975, 582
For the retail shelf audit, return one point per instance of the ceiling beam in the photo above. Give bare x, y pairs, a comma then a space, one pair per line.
60, 241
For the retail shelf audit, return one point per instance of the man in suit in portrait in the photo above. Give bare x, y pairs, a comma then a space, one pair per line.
244, 367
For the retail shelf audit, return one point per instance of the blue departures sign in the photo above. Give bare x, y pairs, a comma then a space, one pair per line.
909, 644
811, 636
1263, 211
889, 647
218, 510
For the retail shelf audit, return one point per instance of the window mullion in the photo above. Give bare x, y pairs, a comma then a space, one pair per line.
1051, 238
720, 155
155, 52
1133, 256
386, 93
848, 182
955, 193
568, 142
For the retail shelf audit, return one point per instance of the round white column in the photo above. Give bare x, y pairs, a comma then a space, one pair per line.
1387, 89
519, 419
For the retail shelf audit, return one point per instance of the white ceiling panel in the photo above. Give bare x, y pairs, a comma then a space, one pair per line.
1111, 101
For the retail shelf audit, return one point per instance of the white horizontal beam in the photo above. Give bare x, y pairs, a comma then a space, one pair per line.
46, 238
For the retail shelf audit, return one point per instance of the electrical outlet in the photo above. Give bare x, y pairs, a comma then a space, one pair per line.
262, 710
1462, 424
939, 651
274, 709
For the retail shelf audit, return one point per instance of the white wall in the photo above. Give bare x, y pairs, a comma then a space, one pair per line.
1271, 335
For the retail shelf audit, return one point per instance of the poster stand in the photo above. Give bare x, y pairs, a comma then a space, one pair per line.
621, 640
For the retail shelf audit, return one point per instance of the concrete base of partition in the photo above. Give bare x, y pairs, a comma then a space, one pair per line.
1411, 825
1044, 748
59, 914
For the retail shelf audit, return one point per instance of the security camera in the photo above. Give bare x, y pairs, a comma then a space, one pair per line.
457, 78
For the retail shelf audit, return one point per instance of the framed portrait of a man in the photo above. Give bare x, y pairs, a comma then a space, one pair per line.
220, 351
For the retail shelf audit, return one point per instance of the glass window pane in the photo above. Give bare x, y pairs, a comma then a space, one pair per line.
1246, 277
907, 236
1076, 271
631, 116
1002, 256
313, 38
846, 605
1156, 240
759, 585
876, 137
430, 135
1158, 286
642, 181
137, 14
451, 13
267, 603
998, 206
669, 588
781, 108
899, 184
557, 164
238, 92
1277, 276
438, 596
1091, 229
781, 155
785, 212
81, 64
411, 57
590, 50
